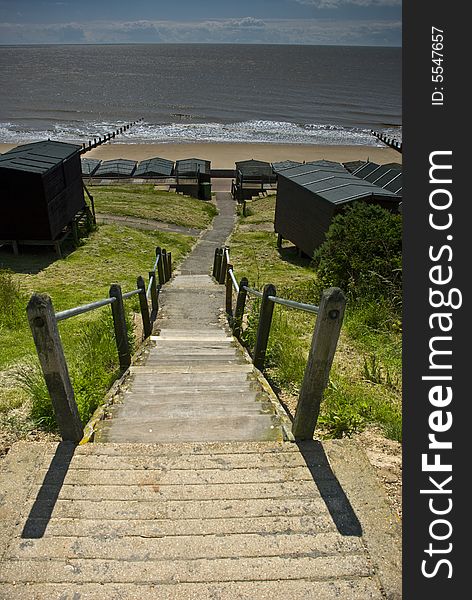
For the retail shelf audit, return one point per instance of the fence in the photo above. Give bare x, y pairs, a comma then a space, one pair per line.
43, 322
330, 315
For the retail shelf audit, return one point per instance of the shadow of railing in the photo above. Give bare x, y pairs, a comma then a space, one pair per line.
336, 501
41, 511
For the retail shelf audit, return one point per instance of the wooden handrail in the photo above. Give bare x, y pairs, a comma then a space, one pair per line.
43, 322
330, 314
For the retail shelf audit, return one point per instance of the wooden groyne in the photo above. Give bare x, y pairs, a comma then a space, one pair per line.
98, 141
389, 141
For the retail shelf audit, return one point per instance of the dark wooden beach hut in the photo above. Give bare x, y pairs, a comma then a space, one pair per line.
41, 191
193, 177
309, 196
154, 167
252, 176
116, 169
89, 166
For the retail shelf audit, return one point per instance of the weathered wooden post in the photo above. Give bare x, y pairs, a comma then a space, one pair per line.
263, 329
165, 264
224, 262
229, 290
48, 344
219, 258
143, 305
169, 266
154, 295
121, 331
320, 359
214, 263
160, 266
239, 310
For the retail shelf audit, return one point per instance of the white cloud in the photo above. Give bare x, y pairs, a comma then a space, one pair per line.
246, 30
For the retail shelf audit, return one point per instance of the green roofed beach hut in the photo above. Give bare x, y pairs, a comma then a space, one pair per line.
117, 168
311, 195
41, 191
193, 177
89, 166
154, 167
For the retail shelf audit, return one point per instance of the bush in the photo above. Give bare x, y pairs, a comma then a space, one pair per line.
362, 254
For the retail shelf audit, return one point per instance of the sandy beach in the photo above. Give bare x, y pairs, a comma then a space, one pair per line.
224, 155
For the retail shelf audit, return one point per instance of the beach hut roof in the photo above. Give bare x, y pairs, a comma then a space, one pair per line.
154, 166
383, 176
89, 165
254, 167
119, 167
334, 185
192, 165
37, 157
353, 165
284, 164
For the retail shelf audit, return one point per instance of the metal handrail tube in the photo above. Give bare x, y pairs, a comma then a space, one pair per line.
292, 304
233, 278
226, 250
80, 310
132, 293
155, 264
252, 291
148, 291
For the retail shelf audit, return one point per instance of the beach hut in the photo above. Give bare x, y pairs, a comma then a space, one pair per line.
388, 176
252, 176
284, 164
193, 177
41, 191
309, 196
154, 167
116, 168
89, 166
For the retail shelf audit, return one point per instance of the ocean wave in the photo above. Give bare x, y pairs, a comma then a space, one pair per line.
254, 131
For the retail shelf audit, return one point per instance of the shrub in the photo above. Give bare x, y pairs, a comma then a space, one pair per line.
362, 253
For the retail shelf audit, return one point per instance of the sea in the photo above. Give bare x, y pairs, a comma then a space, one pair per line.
200, 92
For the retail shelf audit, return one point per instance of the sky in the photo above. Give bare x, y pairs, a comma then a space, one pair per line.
338, 22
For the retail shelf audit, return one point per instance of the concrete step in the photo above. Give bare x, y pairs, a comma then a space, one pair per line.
231, 428
187, 547
350, 588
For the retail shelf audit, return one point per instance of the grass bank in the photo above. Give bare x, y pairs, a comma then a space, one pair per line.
112, 254
365, 382
145, 202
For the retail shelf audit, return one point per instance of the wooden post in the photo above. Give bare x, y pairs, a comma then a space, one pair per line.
46, 337
214, 263
165, 265
239, 310
169, 266
279, 240
229, 290
320, 359
143, 305
154, 296
224, 262
121, 331
219, 258
263, 330
75, 232
160, 266
244, 209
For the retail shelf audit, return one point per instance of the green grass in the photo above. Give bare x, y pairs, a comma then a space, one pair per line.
365, 381
144, 202
111, 254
